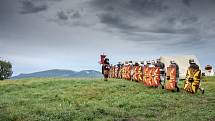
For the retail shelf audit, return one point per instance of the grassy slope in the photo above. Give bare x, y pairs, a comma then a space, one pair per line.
93, 99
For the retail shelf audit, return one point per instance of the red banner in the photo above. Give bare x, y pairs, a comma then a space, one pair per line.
102, 59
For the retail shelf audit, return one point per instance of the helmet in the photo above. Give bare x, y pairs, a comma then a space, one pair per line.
191, 61
172, 61
153, 61
106, 61
142, 62
136, 63
148, 62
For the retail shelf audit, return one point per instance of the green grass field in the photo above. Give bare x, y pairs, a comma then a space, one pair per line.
67, 99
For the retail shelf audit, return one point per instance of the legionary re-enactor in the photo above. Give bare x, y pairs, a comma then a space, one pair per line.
106, 69
162, 72
192, 80
175, 65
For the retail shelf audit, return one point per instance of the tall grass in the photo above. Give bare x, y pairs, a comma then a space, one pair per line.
67, 99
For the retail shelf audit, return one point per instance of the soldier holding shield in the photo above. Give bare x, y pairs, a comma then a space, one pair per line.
193, 76
162, 72
106, 69
119, 65
175, 80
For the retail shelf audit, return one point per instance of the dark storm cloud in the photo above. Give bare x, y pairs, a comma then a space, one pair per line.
187, 2
35, 6
32, 6
68, 14
115, 13
190, 20
169, 25
115, 21
124, 14
178, 22
130, 6
74, 14
62, 15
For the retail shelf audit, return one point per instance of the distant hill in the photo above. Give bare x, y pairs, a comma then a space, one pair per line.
60, 73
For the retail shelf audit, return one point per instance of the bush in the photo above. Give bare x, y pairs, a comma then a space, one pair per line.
5, 70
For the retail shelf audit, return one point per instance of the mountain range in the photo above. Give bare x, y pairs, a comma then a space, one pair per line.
60, 73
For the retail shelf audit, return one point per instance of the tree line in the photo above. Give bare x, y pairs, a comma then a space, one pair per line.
5, 69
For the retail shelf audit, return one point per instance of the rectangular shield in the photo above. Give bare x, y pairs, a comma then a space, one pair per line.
155, 76
116, 72
135, 73
140, 74
128, 72
110, 72
147, 76
171, 78
124, 72
192, 80
120, 73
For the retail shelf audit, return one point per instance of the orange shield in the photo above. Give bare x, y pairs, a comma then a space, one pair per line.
124, 72
171, 78
138, 73
128, 72
135, 73
113, 72
155, 76
116, 72
110, 72
148, 76
120, 73
145, 74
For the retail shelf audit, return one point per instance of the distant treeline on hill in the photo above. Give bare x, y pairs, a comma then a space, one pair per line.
60, 73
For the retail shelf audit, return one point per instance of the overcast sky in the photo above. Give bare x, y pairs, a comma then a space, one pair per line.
38, 35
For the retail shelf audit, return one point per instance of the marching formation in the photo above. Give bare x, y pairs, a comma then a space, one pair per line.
154, 74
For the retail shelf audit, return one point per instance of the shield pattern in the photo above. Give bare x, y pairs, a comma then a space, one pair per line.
116, 72
120, 73
155, 76
192, 86
113, 73
137, 73
171, 78
128, 72
110, 72
134, 76
140, 74
148, 76
124, 72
